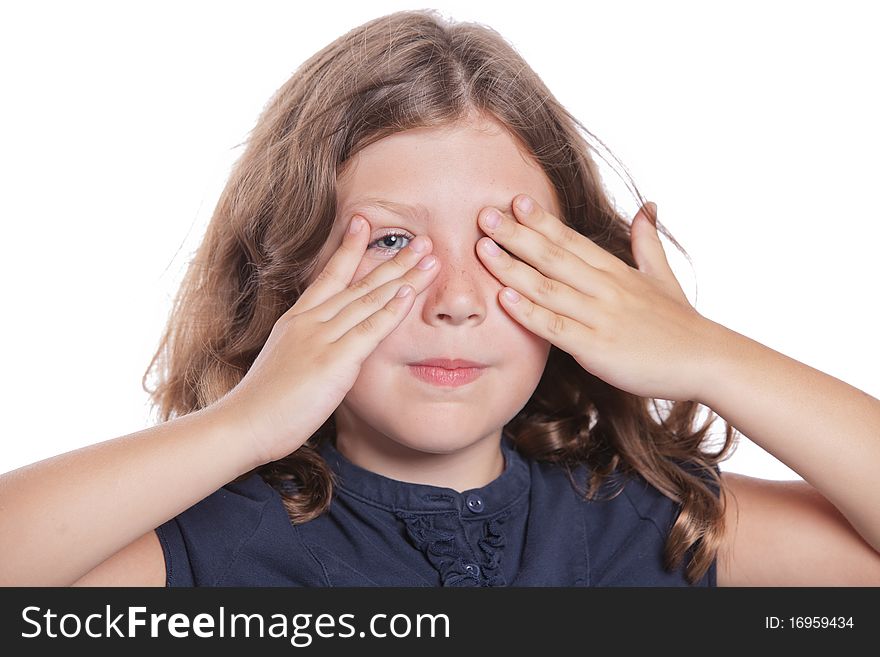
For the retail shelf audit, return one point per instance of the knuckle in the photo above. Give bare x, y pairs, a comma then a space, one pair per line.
362, 284
546, 287
568, 237
371, 298
553, 253
289, 320
506, 262
367, 326
613, 295
556, 324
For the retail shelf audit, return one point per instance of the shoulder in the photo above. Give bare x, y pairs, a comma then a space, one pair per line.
205, 539
786, 533
626, 525
175, 553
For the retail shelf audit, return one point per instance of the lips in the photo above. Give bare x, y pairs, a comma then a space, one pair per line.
447, 378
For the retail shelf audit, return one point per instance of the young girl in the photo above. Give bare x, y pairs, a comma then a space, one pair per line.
419, 346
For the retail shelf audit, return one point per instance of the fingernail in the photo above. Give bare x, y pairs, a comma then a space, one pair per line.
419, 244
524, 204
491, 248
652, 214
492, 219
427, 262
356, 224
510, 295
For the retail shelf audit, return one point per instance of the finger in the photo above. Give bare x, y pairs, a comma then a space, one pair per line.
548, 292
648, 250
554, 260
556, 231
339, 270
646, 246
360, 313
566, 333
402, 262
362, 338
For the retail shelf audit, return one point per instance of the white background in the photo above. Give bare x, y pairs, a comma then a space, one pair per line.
753, 127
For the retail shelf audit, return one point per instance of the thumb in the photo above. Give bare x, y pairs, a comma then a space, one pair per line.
647, 249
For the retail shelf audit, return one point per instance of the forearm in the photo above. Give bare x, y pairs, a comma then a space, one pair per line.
819, 426
62, 516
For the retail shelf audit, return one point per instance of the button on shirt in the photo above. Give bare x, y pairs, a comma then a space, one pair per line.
474, 503
528, 527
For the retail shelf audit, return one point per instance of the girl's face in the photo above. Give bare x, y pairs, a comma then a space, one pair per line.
453, 173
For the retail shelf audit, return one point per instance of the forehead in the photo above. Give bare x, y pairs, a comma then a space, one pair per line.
427, 171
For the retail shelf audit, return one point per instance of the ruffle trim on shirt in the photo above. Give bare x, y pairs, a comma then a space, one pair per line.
491, 545
439, 547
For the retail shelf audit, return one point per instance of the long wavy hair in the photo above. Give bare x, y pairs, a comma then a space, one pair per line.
407, 70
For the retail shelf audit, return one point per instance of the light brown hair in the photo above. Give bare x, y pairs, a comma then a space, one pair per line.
406, 70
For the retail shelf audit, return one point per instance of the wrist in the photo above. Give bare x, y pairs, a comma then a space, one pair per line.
718, 348
236, 435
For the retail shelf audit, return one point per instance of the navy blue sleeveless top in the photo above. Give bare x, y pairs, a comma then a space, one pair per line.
528, 527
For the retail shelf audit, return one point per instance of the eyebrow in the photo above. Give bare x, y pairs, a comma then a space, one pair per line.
416, 211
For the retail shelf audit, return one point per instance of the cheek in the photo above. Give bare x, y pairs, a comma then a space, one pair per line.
524, 337
532, 350
537, 350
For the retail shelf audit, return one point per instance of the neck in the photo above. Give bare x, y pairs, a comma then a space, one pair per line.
473, 466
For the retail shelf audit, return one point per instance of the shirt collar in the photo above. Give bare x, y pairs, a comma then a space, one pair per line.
392, 494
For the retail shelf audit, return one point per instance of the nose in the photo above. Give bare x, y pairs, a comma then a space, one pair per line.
463, 290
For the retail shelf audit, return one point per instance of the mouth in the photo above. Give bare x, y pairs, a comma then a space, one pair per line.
445, 372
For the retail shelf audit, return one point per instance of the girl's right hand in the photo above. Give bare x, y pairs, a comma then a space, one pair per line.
315, 350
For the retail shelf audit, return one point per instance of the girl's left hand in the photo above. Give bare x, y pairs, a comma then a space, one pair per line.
632, 328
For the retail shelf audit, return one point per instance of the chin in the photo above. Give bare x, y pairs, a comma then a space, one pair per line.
445, 442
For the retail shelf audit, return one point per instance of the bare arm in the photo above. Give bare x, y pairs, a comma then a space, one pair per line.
141, 563
61, 517
819, 426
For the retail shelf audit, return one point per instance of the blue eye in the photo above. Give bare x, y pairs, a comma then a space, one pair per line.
386, 236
